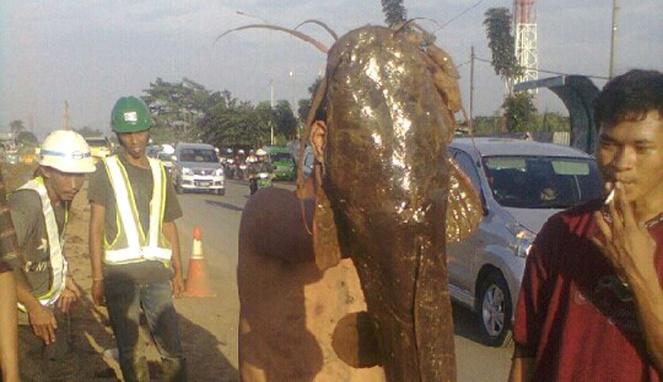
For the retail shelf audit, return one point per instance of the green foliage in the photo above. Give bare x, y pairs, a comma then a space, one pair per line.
501, 43
177, 108
304, 105
394, 12
519, 112
236, 123
15, 127
27, 138
546, 122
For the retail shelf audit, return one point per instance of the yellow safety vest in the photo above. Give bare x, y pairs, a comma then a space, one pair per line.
55, 241
131, 245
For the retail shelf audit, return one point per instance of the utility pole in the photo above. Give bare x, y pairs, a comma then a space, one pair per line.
471, 121
66, 116
271, 105
613, 38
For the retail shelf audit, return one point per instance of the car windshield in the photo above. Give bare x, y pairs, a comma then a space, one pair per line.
198, 155
281, 157
542, 182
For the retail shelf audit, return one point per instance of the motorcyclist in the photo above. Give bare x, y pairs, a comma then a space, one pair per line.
261, 165
251, 158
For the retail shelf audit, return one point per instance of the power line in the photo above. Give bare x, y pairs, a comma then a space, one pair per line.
551, 71
459, 15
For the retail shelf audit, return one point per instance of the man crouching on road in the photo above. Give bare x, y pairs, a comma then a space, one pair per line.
134, 246
591, 302
45, 288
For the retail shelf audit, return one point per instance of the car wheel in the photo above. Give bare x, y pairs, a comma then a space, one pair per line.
495, 310
221, 191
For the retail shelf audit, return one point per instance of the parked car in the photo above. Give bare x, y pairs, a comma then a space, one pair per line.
100, 147
197, 168
521, 184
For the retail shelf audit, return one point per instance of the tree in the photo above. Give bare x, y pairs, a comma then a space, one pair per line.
15, 127
519, 112
286, 123
304, 105
502, 45
394, 12
26, 138
177, 108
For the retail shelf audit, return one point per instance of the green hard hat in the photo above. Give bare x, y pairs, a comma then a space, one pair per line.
130, 115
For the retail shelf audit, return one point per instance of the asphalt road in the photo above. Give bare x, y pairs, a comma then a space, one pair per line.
218, 217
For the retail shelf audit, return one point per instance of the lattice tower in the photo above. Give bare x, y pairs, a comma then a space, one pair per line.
524, 18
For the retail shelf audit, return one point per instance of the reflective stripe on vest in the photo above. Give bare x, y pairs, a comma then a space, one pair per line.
58, 262
139, 247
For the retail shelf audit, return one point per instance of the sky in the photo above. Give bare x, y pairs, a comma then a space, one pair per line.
91, 52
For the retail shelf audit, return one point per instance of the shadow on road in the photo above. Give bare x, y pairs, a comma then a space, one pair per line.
466, 323
225, 205
205, 361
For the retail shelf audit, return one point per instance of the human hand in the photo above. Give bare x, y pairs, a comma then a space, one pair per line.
177, 284
43, 323
626, 244
69, 295
98, 292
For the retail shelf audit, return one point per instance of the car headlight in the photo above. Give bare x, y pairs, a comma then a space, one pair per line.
218, 172
523, 243
186, 171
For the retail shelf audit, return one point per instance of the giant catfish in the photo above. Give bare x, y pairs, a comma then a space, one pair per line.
387, 105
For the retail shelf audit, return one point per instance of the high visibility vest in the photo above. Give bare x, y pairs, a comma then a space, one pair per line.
57, 260
131, 245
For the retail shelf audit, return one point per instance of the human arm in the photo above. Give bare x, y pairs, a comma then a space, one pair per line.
534, 300
522, 369
96, 234
41, 319
69, 295
631, 250
8, 328
170, 232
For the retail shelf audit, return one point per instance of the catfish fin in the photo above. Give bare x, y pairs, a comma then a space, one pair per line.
464, 207
325, 235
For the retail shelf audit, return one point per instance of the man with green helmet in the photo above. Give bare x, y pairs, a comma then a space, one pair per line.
45, 287
134, 246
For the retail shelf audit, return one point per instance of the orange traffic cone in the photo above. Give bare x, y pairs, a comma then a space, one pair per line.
197, 283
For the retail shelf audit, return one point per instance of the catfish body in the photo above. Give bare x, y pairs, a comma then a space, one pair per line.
389, 201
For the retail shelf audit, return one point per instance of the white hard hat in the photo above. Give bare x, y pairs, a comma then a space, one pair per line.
261, 152
66, 151
240, 151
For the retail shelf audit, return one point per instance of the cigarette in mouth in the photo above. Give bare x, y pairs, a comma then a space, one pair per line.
610, 196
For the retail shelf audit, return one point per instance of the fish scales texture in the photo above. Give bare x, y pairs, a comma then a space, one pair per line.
390, 203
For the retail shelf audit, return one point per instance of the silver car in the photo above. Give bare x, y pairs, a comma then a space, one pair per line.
197, 168
521, 183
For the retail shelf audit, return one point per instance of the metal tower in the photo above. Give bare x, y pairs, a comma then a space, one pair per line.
524, 19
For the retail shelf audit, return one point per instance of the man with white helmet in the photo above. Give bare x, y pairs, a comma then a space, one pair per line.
45, 287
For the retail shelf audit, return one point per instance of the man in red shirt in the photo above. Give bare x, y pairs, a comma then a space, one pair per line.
591, 302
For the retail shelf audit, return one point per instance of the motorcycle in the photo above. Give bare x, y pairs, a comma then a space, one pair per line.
262, 180
240, 171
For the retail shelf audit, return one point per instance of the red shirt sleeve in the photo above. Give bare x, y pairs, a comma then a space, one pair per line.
533, 298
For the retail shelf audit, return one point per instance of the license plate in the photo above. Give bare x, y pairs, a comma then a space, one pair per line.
204, 183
